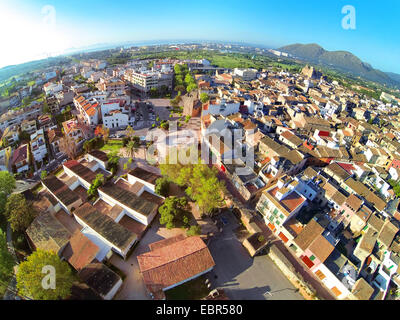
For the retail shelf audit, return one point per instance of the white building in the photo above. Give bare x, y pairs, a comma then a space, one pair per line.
51, 88
38, 145
144, 81
246, 74
222, 107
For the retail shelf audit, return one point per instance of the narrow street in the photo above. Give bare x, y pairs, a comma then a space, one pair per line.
307, 275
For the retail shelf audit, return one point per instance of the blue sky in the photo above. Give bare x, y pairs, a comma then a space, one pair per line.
273, 23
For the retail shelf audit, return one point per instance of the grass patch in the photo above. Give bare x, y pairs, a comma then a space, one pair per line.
112, 145
195, 289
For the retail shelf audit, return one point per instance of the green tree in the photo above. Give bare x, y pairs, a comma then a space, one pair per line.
43, 174
191, 87
189, 79
172, 211
178, 69
7, 261
30, 276
180, 87
154, 93
204, 97
205, 188
130, 133
19, 212
113, 161
162, 186
133, 146
193, 231
96, 183
7, 183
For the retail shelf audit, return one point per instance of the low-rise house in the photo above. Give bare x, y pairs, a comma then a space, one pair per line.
80, 251
99, 156
278, 204
359, 220
29, 126
54, 136
67, 198
38, 145
362, 290
172, 262
112, 234
145, 177
101, 279
47, 233
10, 136
21, 159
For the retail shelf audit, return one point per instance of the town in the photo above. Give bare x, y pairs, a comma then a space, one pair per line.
295, 193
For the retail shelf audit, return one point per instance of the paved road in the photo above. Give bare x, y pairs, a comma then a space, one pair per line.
242, 277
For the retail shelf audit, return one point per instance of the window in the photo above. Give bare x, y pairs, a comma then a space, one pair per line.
312, 258
275, 212
271, 218
320, 275
281, 216
336, 291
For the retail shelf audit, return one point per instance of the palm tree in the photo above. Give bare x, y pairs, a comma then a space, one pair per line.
132, 148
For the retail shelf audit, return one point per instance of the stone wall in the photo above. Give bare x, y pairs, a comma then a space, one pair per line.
287, 269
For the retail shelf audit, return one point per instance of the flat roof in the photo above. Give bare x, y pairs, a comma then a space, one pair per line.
105, 226
129, 199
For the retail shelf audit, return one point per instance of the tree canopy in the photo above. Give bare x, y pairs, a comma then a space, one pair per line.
96, 183
7, 182
7, 261
162, 186
204, 97
32, 274
19, 212
201, 182
172, 211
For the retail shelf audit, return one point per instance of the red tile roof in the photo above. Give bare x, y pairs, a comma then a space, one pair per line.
170, 264
20, 154
80, 251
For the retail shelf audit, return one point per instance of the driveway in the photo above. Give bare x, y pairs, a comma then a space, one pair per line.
245, 278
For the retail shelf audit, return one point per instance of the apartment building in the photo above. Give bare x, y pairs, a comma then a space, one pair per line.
15, 117
143, 82
111, 85
38, 145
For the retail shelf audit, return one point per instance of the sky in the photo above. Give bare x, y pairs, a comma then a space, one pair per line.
32, 30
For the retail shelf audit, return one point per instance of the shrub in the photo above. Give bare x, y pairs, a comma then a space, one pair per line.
193, 231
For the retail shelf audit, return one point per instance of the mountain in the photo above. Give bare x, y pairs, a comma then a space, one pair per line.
394, 76
341, 60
